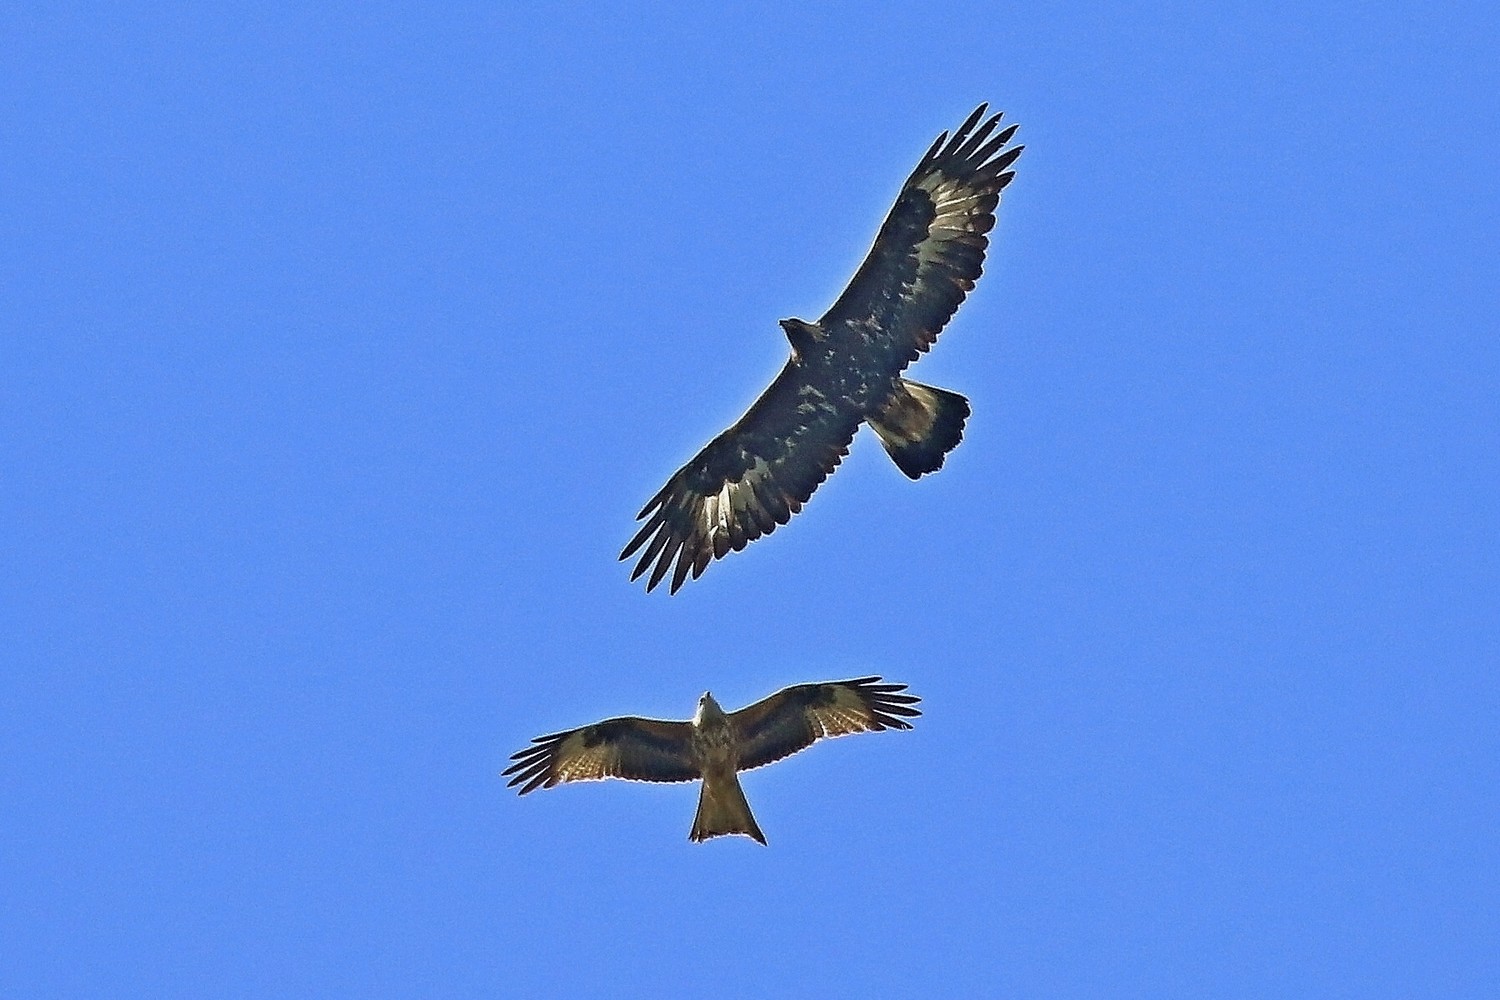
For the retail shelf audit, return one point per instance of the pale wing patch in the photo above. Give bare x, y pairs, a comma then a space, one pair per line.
687, 526
728, 509
576, 762
848, 714
961, 220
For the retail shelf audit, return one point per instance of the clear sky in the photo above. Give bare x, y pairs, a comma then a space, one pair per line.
341, 345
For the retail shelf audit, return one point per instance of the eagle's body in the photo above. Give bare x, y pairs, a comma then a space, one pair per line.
714, 746
819, 359
845, 369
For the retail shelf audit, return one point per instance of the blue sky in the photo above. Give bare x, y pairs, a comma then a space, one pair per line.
343, 345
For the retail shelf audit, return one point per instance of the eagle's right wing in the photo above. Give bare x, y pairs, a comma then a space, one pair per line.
930, 250
749, 479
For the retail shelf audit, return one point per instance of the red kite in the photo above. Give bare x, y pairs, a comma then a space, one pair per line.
845, 369
714, 746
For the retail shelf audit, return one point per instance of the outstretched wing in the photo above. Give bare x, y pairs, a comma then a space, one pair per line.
796, 717
637, 749
749, 479
930, 249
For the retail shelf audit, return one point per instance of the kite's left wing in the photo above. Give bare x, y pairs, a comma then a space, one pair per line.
796, 717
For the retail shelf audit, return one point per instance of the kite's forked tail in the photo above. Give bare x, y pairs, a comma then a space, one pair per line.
722, 809
920, 425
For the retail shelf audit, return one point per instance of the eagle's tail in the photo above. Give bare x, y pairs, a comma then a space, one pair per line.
722, 809
920, 425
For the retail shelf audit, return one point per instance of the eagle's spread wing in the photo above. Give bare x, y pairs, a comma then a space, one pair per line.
794, 718
930, 249
749, 479
638, 749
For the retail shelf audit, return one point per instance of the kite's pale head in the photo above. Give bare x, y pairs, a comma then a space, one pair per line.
707, 709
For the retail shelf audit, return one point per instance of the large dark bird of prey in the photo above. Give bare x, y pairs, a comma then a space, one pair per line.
714, 746
845, 369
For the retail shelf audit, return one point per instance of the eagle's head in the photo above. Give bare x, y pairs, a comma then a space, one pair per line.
802, 335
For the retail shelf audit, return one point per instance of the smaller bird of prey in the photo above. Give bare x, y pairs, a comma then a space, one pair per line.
714, 746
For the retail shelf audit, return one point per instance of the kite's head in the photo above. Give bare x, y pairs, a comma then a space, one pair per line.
707, 709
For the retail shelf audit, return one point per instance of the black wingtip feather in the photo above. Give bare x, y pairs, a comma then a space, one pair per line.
994, 145
966, 151
962, 131
663, 536
663, 563
932, 151
638, 540
1006, 158
685, 557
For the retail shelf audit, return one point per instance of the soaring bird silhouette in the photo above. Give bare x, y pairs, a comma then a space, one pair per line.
845, 369
714, 746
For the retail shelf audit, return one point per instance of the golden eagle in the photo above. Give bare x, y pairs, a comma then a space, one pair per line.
845, 369
714, 746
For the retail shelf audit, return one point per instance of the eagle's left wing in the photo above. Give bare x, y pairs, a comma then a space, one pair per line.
632, 748
794, 718
746, 481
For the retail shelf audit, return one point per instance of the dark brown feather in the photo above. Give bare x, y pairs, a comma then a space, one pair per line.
780, 450
796, 717
629, 747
